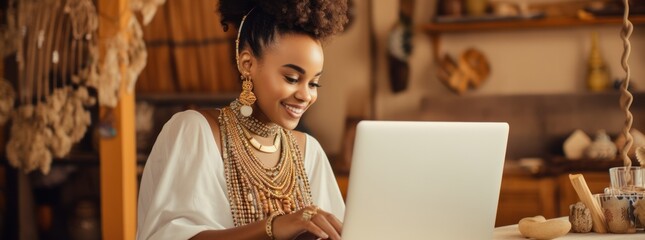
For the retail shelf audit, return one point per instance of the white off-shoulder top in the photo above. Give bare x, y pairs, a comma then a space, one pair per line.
183, 188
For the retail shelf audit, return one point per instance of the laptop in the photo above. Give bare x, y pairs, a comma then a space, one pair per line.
424, 180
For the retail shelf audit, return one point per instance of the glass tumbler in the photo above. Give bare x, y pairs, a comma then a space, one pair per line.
627, 180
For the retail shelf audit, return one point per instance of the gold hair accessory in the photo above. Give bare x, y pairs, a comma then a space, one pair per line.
247, 97
268, 226
309, 213
237, 40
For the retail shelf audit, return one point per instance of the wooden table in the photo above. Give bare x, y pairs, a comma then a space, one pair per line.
511, 232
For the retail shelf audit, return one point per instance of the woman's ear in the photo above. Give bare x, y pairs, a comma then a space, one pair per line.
245, 62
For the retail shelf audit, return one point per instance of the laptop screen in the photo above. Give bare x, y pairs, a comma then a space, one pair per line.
425, 180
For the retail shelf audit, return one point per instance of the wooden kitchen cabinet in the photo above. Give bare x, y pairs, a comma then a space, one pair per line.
597, 182
550, 196
525, 196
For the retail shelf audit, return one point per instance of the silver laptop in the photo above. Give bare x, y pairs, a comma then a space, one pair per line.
424, 180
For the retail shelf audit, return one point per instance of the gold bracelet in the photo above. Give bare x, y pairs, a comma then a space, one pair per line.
269, 223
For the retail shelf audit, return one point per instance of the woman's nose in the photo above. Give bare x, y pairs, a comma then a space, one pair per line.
304, 93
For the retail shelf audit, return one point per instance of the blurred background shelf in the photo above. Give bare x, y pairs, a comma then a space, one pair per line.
187, 98
515, 24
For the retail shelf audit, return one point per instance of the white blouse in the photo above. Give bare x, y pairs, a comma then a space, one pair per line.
183, 188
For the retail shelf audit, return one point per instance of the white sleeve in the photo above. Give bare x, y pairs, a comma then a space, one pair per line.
324, 189
183, 188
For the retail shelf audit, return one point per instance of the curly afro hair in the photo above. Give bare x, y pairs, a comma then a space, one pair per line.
319, 19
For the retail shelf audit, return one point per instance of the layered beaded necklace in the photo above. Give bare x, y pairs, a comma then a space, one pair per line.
255, 191
253, 124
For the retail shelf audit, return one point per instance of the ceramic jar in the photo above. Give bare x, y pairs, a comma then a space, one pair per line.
452, 7
597, 75
476, 7
602, 147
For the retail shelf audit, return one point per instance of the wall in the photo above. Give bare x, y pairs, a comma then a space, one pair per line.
539, 123
523, 62
347, 74
345, 81
390, 104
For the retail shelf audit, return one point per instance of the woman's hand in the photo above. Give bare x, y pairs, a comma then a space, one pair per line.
310, 219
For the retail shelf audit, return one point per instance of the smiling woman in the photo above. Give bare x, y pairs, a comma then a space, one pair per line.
242, 172
287, 78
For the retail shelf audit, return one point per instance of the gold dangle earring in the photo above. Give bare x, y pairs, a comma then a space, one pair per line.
247, 97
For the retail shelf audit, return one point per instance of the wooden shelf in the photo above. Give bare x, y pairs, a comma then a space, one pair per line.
435, 28
560, 165
193, 98
81, 159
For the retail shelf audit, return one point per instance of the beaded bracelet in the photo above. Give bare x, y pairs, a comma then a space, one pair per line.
269, 223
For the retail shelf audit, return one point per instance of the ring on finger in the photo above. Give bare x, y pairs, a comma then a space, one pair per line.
308, 214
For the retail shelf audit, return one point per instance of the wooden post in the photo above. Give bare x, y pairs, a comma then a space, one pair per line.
118, 154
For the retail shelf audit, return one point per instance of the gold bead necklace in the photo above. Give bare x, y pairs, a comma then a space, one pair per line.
255, 191
253, 124
266, 149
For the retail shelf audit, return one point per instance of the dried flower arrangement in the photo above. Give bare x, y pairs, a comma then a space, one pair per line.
57, 53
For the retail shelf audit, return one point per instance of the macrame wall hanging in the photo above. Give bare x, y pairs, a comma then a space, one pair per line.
56, 49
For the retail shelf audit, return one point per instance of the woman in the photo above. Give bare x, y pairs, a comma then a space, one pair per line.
241, 172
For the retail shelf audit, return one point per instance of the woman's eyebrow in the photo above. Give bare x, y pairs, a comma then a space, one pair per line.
299, 69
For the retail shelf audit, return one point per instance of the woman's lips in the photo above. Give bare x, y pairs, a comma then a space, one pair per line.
294, 111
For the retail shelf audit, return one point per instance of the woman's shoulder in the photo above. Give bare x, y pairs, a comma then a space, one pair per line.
187, 117
190, 117
306, 141
301, 138
188, 121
